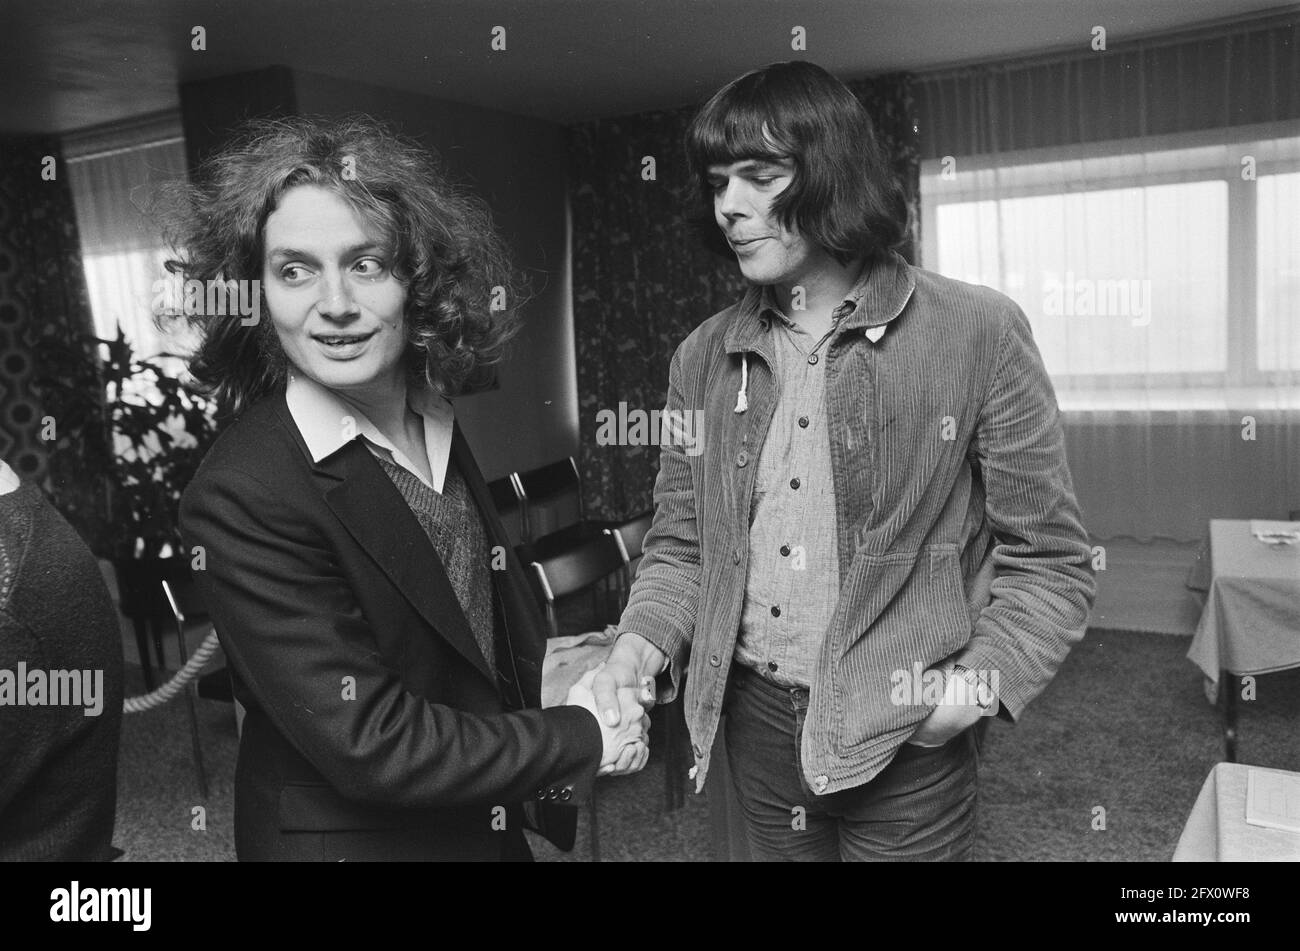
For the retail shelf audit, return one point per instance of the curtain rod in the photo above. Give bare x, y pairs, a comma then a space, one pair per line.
119, 150
1257, 22
156, 128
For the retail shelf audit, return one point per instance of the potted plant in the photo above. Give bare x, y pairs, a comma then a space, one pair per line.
128, 437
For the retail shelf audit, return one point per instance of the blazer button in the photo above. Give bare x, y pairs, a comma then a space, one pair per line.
715, 660
566, 794
541, 794
552, 793
699, 753
742, 458
735, 556
821, 782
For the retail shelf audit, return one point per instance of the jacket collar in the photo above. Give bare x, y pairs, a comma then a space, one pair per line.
327, 422
878, 297
374, 513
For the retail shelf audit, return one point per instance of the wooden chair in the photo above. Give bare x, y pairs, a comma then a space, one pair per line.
557, 520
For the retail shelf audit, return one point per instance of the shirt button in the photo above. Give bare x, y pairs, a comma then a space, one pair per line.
794, 483
735, 556
821, 782
812, 361
742, 459
803, 422
715, 660
785, 550
776, 610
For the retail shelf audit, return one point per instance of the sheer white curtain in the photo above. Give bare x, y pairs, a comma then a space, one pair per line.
1160, 270
114, 176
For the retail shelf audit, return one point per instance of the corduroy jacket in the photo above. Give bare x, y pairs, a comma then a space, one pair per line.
959, 536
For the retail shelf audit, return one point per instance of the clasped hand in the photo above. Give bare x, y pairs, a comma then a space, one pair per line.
626, 732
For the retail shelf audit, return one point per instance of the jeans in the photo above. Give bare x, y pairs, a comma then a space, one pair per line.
921, 807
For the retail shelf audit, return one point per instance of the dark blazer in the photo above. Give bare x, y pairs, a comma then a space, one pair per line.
374, 728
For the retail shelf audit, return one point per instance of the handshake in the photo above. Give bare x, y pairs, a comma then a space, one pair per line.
619, 693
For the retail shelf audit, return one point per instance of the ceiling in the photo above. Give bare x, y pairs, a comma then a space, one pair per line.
69, 64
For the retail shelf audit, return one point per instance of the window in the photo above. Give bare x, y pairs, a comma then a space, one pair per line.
1158, 273
114, 176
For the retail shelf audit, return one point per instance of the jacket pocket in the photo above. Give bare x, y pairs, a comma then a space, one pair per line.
882, 686
305, 807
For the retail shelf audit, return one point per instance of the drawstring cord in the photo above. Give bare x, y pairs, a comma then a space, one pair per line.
742, 398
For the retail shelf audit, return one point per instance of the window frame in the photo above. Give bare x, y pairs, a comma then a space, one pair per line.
1242, 376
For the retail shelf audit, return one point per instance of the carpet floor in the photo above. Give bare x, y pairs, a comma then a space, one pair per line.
1125, 726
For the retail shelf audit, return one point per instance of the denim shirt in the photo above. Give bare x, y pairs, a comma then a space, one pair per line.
793, 579
958, 536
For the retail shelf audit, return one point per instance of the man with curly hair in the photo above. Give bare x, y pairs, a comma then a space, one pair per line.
391, 677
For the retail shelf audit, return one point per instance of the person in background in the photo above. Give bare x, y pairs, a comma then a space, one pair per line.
879, 545
60, 687
380, 631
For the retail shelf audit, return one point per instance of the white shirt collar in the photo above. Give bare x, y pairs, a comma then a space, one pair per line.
328, 422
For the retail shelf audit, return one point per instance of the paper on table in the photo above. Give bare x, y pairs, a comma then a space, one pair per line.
1275, 532
1273, 800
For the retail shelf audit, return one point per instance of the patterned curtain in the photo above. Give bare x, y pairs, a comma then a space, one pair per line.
44, 317
642, 282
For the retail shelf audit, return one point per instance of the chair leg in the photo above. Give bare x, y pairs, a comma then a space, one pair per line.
142, 647
156, 630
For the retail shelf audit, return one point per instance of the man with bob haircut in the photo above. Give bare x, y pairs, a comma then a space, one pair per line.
878, 546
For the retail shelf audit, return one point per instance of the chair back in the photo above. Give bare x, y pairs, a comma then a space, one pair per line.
572, 571
182, 597
553, 495
512, 508
632, 534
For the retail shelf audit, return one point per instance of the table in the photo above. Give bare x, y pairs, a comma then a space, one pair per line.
568, 658
1217, 830
1251, 620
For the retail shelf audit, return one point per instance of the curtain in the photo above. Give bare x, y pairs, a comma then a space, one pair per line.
1142, 206
114, 178
42, 297
642, 283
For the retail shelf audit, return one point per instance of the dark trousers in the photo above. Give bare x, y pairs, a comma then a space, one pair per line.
921, 807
